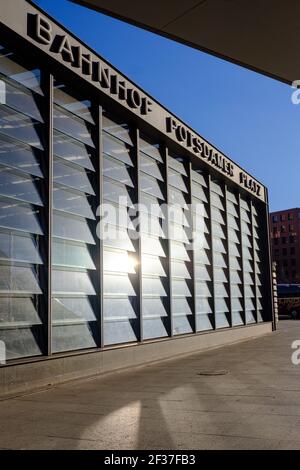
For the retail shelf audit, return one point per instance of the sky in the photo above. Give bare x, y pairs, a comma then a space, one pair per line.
249, 117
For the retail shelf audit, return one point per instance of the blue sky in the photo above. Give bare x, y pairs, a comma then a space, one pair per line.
248, 116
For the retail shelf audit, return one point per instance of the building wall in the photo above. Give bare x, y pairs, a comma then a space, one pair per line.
71, 280
285, 238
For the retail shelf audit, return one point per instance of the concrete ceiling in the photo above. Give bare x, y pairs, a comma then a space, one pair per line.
259, 34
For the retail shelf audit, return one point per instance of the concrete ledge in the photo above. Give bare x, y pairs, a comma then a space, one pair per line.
30, 376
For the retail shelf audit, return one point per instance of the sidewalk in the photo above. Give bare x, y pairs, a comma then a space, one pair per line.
255, 405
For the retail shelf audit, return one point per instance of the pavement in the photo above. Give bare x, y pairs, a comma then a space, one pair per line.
243, 396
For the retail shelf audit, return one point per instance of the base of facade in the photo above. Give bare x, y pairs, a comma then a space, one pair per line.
43, 373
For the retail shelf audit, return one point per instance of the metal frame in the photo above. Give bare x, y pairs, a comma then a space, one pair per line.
211, 243
99, 177
47, 86
192, 251
254, 261
228, 257
242, 261
167, 241
140, 250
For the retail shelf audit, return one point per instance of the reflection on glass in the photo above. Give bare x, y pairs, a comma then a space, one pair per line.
181, 262
119, 259
248, 262
74, 294
21, 129
19, 156
10, 66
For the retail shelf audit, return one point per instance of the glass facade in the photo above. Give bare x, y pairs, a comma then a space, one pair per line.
22, 140
109, 236
74, 258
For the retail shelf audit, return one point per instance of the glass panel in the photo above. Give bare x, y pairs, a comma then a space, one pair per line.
19, 187
177, 232
217, 216
151, 225
232, 209
72, 228
199, 178
152, 246
181, 306
151, 186
152, 265
20, 127
178, 166
119, 238
118, 261
154, 307
15, 279
216, 201
179, 269
149, 205
116, 192
181, 325
201, 273
18, 312
69, 282
72, 177
198, 192
72, 150
117, 149
72, 202
19, 156
203, 305
119, 308
180, 287
72, 310
64, 98
177, 215
219, 260
117, 332
22, 342
72, 337
221, 321
154, 287
178, 251
117, 129
19, 216
19, 248
216, 188
21, 100
117, 171
202, 289
70, 125
150, 149
219, 275
70, 255
118, 284
10, 66
176, 197
150, 166
177, 180
154, 328
204, 322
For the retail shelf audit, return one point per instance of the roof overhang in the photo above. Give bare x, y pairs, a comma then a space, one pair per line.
262, 36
